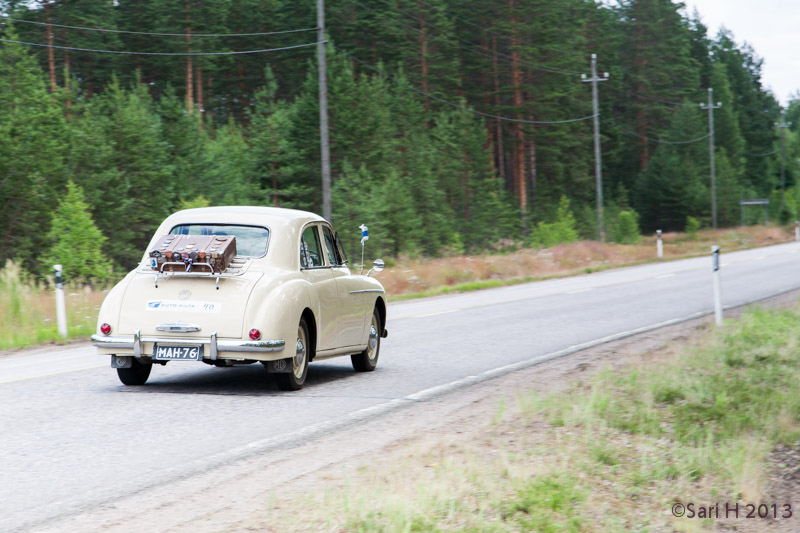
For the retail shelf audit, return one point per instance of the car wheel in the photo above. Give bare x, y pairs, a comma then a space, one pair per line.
294, 380
137, 374
367, 360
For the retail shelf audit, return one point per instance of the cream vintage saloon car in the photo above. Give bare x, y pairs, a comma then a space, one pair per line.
287, 299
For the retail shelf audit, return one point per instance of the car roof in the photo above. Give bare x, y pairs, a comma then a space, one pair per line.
285, 226
249, 215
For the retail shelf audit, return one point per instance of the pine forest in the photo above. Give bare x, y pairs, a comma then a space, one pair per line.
456, 126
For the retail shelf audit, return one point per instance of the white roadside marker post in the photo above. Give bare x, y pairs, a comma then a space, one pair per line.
659, 244
61, 309
715, 277
796, 230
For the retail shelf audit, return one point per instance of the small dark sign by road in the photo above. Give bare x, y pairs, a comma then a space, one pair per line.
754, 201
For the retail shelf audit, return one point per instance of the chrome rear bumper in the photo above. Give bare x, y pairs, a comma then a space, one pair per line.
214, 346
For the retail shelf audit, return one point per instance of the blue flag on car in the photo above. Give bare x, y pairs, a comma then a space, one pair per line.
364, 233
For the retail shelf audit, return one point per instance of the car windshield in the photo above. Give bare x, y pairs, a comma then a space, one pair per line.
251, 241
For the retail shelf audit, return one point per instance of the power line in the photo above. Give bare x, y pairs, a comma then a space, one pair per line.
127, 52
458, 106
158, 33
658, 141
670, 102
495, 33
765, 155
488, 52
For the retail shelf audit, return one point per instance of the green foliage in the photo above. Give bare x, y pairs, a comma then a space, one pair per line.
412, 91
77, 244
692, 227
34, 143
198, 201
547, 503
560, 231
718, 408
626, 230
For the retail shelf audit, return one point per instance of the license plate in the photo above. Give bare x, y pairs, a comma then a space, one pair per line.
177, 353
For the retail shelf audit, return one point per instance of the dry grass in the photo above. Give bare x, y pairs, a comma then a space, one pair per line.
415, 276
693, 423
28, 310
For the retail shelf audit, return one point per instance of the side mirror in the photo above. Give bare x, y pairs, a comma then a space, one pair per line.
377, 266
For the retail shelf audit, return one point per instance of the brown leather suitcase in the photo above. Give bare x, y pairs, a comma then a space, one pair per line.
188, 253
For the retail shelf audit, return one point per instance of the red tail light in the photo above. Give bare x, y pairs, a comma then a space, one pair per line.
255, 334
105, 329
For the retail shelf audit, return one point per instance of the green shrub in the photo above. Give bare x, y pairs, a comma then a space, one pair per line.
77, 243
198, 201
561, 231
692, 227
627, 228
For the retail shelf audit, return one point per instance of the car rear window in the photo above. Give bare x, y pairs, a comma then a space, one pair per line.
251, 241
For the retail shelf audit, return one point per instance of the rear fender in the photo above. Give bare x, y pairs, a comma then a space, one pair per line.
276, 309
110, 308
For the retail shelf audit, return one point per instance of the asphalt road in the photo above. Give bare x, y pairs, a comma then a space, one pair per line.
72, 437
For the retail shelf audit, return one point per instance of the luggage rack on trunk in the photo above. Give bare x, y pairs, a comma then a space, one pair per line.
237, 267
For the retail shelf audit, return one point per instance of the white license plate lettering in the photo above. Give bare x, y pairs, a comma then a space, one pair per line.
172, 353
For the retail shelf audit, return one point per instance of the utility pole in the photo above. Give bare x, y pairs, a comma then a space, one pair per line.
711, 107
783, 125
323, 113
598, 166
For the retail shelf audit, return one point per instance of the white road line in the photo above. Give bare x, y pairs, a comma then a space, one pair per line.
434, 314
47, 374
662, 276
580, 290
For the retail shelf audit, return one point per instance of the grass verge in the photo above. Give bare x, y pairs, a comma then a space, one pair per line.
615, 453
28, 311
417, 278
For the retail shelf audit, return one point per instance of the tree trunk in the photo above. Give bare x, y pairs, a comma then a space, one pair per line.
273, 165
501, 163
209, 97
641, 116
201, 105
51, 63
243, 97
189, 84
423, 36
68, 85
532, 164
519, 135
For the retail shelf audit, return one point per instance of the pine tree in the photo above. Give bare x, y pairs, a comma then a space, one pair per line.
230, 177
77, 244
658, 63
675, 183
187, 145
32, 169
132, 188
275, 158
756, 109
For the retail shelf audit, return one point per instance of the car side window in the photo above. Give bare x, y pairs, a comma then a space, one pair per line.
330, 246
310, 249
340, 249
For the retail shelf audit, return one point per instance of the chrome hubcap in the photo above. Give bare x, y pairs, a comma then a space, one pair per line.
300, 355
373, 340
